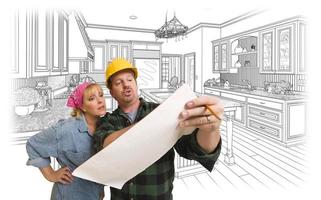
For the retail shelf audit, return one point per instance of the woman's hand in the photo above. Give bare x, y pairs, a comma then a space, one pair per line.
62, 175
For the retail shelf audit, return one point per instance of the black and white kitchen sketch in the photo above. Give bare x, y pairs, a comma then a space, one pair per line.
254, 61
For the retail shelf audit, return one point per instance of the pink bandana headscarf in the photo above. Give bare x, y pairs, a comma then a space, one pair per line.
75, 99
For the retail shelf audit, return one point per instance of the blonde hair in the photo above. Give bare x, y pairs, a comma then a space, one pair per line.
77, 112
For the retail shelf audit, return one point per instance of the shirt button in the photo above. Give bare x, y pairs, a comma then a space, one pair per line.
131, 185
131, 198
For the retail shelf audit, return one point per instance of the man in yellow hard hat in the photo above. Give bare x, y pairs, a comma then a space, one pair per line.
118, 65
202, 145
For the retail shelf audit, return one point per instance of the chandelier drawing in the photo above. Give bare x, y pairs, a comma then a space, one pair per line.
171, 29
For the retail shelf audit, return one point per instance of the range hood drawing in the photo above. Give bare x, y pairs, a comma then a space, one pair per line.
80, 46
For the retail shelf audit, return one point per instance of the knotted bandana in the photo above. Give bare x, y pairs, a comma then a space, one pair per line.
75, 99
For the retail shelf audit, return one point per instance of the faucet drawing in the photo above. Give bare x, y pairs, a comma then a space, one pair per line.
248, 84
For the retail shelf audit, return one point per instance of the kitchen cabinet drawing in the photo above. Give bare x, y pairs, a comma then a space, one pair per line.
259, 72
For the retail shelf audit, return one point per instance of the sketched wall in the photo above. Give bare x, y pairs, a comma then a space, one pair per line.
197, 41
297, 80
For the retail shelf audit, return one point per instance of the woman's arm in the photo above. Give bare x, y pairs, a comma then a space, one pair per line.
41, 146
62, 175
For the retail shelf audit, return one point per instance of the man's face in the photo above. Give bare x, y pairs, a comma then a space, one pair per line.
124, 87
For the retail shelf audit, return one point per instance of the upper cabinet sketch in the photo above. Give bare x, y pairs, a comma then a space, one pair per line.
220, 56
281, 48
267, 47
276, 48
41, 44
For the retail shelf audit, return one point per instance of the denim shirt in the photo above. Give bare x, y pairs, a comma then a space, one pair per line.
71, 144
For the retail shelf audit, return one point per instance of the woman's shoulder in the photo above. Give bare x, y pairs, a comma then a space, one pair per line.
55, 130
67, 123
66, 127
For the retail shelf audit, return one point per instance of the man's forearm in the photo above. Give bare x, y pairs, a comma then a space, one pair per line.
108, 140
208, 141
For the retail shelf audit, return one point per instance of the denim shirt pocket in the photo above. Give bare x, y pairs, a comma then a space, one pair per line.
76, 158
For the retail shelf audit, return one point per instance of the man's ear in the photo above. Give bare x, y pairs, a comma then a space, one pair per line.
111, 92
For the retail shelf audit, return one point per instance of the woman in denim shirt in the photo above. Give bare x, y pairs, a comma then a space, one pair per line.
70, 141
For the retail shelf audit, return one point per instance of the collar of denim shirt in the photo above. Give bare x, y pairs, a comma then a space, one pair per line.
82, 124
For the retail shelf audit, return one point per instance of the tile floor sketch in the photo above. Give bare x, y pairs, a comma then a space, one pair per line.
254, 60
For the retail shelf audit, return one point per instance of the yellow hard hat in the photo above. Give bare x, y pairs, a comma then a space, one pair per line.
117, 65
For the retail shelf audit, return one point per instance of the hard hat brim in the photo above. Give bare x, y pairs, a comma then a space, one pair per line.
133, 70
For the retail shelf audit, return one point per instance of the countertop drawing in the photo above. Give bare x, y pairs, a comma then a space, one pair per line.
37, 121
260, 92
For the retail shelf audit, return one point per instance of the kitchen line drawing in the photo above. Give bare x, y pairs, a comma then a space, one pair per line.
259, 72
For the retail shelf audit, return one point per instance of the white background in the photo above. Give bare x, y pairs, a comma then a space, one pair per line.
17, 184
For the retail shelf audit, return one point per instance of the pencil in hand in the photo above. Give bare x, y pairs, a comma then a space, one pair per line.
212, 112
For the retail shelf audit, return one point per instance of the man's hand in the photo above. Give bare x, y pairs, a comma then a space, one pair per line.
62, 175
197, 115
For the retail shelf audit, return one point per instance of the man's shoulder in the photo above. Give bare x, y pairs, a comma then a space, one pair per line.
104, 119
148, 105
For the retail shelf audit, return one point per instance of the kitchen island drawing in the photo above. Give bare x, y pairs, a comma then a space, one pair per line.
259, 71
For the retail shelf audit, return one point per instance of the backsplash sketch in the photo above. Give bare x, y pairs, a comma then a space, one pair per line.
255, 64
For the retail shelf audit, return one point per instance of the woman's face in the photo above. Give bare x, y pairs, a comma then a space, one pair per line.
94, 101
